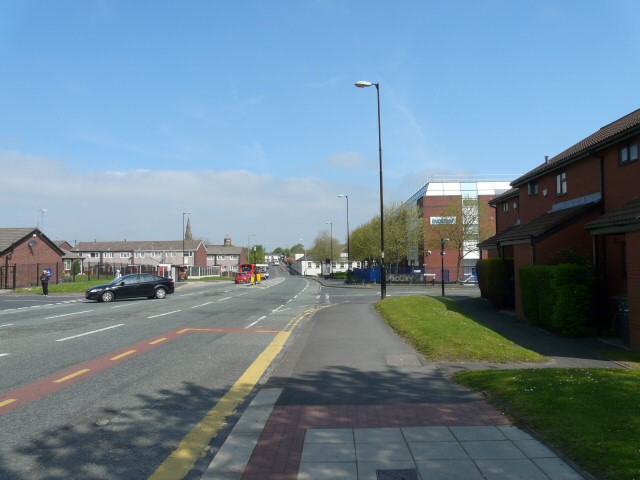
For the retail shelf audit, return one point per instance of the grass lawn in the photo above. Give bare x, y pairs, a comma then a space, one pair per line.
591, 415
437, 329
81, 284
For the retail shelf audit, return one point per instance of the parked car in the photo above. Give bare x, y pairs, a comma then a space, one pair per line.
243, 277
132, 286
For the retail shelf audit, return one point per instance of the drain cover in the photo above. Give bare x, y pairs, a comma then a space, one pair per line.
406, 474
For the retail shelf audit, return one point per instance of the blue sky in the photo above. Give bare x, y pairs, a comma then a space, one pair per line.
118, 116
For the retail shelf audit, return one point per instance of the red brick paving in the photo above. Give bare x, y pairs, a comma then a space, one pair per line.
279, 450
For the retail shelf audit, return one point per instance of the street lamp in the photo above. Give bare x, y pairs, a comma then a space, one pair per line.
443, 241
331, 259
42, 211
249, 246
343, 195
183, 236
383, 279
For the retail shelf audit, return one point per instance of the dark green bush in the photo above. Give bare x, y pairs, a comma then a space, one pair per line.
494, 280
537, 296
557, 297
572, 285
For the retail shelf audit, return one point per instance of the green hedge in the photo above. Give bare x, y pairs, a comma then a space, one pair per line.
557, 297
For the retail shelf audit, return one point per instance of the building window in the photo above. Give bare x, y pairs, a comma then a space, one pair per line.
628, 153
221, 257
561, 183
532, 187
233, 257
125, 254
505, 207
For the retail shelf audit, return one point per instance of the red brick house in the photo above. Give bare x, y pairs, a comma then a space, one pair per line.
584, 199
24, 254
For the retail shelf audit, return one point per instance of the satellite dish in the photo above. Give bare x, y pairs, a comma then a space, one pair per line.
32, 243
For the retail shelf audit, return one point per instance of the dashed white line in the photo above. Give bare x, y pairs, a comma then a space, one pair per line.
3, 354
252, 324
163, 314
6, 325
68, 314
197, 306
225, 298
89, 333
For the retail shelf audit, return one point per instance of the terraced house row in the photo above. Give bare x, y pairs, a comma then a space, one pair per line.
585, 199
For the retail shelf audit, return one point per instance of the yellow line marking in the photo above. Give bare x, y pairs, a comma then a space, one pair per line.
195, 444
158, 341
183, 330
8, 401
118, 357
68, 377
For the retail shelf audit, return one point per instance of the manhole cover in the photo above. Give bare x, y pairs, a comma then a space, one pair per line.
406, 474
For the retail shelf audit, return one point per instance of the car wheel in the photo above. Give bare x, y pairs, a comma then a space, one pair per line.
161, 293
107, 296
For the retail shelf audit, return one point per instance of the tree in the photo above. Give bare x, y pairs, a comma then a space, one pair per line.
297, 248
465, 222
321, 249
403, 229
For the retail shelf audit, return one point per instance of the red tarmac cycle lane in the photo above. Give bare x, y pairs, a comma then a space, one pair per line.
16, 398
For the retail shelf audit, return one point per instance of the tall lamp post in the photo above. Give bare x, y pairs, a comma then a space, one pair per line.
183, 235
249, 246
42, 212
342, 195
443, 241
331, 244
383, 279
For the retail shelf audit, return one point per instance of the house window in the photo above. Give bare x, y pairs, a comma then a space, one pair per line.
505, 207
532, 187
628, 153
94, 255
125, 254
233, 257
221, 257
561, 183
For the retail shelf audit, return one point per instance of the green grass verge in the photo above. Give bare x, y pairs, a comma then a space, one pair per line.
591, 415
440, 332
81, 284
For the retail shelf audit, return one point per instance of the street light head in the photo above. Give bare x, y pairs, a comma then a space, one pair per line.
342, 195
363, 84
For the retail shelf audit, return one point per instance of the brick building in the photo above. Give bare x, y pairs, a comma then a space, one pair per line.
442, 194
584, 199
24, 254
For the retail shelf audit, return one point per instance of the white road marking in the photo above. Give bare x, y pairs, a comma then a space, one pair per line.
252, 324
89, 333
68, 314
225, 298
3, 354
197, 306
163, 314
6, 325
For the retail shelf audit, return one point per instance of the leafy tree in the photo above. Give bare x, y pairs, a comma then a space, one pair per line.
321, 249
403, 229
297, 248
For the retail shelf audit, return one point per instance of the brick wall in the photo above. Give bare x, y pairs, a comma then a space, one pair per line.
31, 260
633, 278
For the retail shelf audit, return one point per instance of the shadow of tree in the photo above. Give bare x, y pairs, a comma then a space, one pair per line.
528, 336
117, 444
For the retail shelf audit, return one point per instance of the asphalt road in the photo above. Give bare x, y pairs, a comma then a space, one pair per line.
126, 389
109, 391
